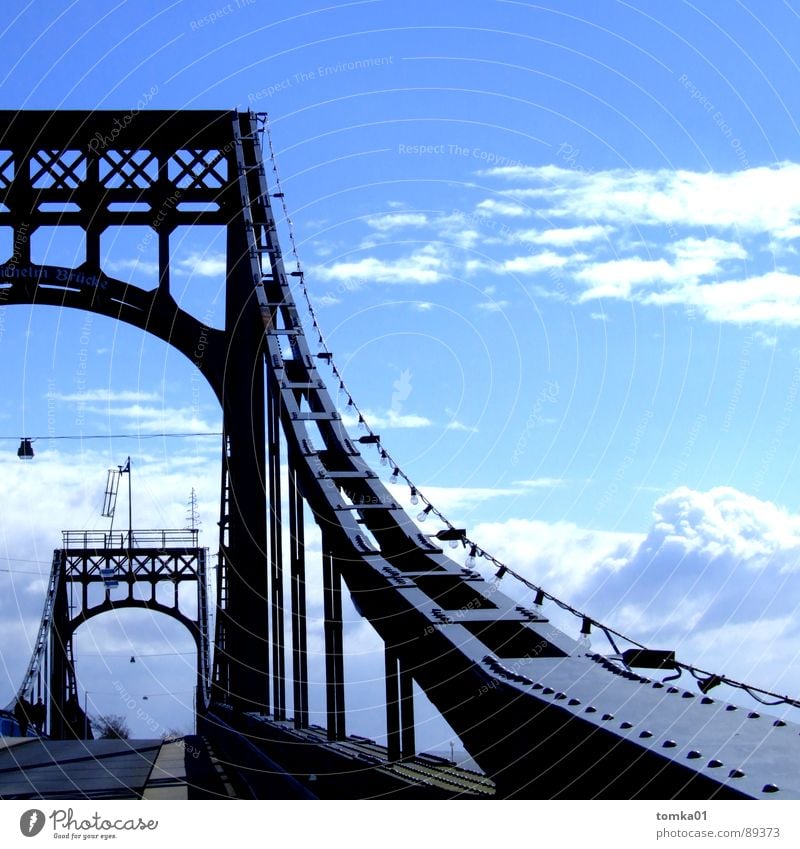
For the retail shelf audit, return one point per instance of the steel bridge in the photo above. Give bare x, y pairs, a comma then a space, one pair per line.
543, 716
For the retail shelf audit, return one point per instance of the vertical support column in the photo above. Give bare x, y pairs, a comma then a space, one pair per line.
164, 222
163, 260
93, 230
85, 586
276, 556
334, 655
221, 686
400, 729
338, 656
408, 741
392, 705
203, 671
246, 611
58, 709
21, 249
298, 601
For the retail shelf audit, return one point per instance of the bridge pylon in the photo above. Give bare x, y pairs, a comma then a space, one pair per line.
97, 572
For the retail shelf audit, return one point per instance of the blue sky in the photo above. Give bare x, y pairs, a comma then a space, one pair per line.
553, 248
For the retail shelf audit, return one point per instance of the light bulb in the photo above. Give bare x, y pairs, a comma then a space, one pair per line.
395, 475
472, 561
414, 497
384, 458
585, 640
362, 425
424, 514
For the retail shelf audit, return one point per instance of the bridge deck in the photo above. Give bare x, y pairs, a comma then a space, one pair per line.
109, 769
424, 770
352, 767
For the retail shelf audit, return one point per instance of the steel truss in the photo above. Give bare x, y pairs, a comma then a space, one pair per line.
122, 565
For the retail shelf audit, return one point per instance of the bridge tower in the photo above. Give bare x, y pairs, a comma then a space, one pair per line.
118, 564
162, 170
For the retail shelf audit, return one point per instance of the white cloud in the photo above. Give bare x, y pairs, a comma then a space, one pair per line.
396, 220
762, 199
561, 237
729, 523
715, 557
709, 250
322, 250
529, 264
451, 500
424, 266
716, 577
472, 265
541, 483
493, 306
772, 298
766, 340
103, 396
678, 279
617, 278
500, 207
135, 266
457, 425
534, 263
391, 419
203, 264
692, 260
465, 239
560, 556
142, 418
525, 172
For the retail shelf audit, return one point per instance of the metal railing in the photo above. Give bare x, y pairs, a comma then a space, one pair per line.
124, 540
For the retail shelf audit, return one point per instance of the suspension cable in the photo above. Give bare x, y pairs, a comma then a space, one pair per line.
475, 551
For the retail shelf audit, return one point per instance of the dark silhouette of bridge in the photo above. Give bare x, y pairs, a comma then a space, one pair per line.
541, 714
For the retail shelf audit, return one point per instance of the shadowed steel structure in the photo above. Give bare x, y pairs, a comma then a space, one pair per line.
541, 714
135, 560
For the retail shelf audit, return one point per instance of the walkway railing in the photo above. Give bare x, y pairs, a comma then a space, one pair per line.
123, 540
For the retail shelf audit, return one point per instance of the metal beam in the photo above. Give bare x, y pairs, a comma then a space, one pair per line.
334, 652
247, 639
275, 509
392, 704
407, 728
298, 601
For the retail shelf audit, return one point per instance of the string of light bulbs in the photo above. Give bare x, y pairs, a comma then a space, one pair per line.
456, 535
118, 436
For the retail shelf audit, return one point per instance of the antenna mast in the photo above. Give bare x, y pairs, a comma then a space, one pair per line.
192, 515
